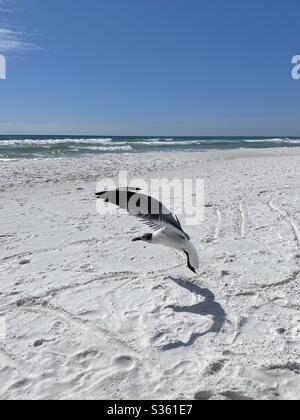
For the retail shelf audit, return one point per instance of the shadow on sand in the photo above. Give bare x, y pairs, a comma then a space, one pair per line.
207, 307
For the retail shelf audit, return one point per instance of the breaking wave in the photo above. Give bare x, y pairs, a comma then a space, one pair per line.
51, 142
23, 147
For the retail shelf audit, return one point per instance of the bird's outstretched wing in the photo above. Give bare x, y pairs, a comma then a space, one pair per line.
146, 208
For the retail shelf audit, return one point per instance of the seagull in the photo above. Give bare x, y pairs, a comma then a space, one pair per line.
166, 227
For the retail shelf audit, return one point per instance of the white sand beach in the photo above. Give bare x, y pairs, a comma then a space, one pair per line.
90, 315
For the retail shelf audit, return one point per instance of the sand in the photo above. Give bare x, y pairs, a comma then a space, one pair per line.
89, 315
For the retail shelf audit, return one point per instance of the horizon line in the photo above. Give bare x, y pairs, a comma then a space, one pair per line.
147, 135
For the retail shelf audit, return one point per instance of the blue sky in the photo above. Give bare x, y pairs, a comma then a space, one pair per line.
150, 67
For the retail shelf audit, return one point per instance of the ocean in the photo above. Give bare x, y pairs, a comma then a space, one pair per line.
40, 147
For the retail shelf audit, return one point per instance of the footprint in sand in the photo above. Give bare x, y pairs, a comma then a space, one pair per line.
183, 368
84, 358
124, 362
204, 395
38, 343
25, 262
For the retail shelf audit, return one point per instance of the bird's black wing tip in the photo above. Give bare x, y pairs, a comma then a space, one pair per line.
118, 190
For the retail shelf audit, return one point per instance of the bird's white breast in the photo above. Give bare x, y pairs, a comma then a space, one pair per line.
161, 238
